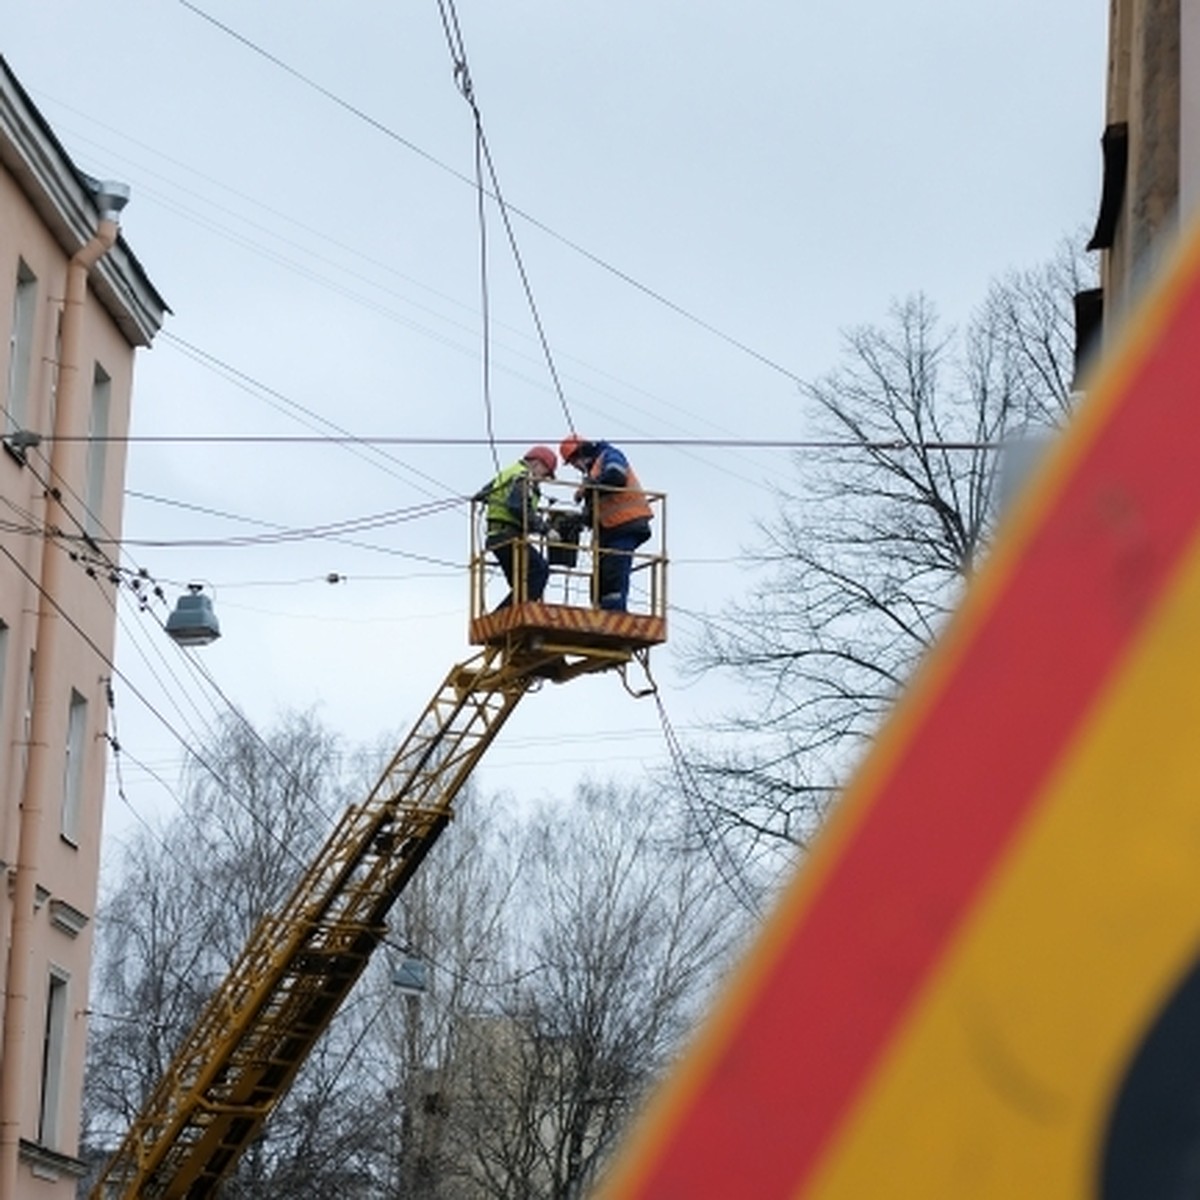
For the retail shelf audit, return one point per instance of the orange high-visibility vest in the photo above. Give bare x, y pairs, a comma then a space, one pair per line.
619, 506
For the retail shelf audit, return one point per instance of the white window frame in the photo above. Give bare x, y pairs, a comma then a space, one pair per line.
73, 759
27, 721
97, 451
20, 350
54, 1056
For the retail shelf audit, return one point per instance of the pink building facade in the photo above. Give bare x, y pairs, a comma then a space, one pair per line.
74, 306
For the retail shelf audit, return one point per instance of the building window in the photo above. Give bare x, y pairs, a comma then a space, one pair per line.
97, 452
27, 722
53, 1055
20, 351
72, 803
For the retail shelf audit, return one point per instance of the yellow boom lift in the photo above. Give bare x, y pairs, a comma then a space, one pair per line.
301, 962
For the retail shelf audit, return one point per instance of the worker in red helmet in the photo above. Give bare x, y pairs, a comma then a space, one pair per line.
617, 510
512, 500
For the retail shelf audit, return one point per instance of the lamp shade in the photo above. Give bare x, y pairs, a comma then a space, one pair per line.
193, 621
410, 976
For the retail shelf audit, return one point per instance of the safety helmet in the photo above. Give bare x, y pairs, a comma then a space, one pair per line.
571, 446
545, 456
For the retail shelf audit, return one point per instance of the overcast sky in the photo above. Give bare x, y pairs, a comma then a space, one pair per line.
776, 171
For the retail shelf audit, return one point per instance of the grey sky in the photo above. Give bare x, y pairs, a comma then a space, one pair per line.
779, 169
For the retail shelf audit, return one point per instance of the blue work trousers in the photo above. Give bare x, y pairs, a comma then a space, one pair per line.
508, 551
616, 547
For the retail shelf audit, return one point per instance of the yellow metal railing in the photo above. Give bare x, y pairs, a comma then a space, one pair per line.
573, 553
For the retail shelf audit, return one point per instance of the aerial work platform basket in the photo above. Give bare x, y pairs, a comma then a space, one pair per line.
566, 625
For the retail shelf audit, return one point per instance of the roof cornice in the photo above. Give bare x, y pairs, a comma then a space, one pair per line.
59, 193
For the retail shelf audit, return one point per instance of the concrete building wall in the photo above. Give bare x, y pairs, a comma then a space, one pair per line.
1153, 93
47, 212
1189, 109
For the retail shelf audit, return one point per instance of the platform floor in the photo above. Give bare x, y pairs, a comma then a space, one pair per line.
583, 626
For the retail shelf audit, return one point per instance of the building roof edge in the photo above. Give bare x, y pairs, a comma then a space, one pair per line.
63, 198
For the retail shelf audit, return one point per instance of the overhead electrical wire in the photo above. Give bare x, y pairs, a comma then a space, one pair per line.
340, 539
176, 693
205, 220
249, 384
489, 363
200, 673
100, 654
194, 755
339, 435
483, 156
452, 442
462, 78
323, 235
331, 530
119, 754
55, 542
484, 159
336, 577
698, 807
504, 207
390, 133
209, 735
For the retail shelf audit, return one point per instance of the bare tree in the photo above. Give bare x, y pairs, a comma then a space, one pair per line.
623, 936
456, 919
863, 560
181, 908
566, 956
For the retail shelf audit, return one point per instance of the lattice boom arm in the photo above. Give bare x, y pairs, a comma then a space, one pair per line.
301, 963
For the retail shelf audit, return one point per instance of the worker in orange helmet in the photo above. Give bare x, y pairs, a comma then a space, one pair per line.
512, 500
617, 510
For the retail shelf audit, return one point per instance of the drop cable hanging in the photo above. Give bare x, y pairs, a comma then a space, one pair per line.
483, 158
462, 78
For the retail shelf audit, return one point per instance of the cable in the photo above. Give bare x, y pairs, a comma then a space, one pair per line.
342, 436
450, 442
697, 806
485, 303
388, 132
322, 235
204, 220
395, 516
200, 673
345, 541
118, 673
115, 571
462, 78
118, 750
483, 156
